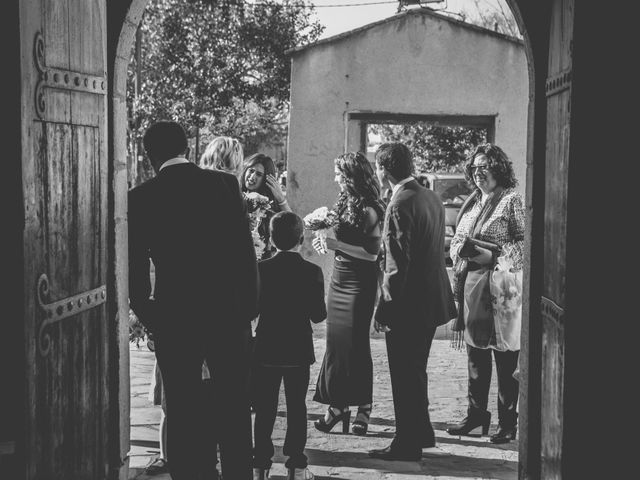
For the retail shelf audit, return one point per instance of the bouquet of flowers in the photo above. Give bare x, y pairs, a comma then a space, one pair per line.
258, 243
257, 207
319, 221
137, 331
256, 202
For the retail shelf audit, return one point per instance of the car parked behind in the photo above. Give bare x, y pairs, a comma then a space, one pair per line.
453, 189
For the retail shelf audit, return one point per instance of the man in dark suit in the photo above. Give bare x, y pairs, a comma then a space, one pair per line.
192, 224
416, 297
291, 296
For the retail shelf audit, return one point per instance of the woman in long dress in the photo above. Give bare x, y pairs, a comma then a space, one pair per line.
346, 375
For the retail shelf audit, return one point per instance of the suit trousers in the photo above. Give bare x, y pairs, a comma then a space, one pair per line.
480, 368
267, 389
189, 433
408, 351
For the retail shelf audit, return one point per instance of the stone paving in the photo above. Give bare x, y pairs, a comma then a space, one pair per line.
344, 456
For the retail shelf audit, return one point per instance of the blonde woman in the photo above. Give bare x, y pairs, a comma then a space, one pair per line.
223, 153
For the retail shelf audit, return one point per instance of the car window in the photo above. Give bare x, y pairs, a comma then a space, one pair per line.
452, 191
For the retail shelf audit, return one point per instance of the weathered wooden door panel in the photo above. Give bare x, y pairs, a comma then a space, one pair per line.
558, 91
65, 194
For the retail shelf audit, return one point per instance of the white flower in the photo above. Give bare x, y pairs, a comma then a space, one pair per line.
320, 218
256, 201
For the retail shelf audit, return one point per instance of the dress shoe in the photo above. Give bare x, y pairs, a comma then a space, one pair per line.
158, 467
390, 453
300, 474
344, 416
471, 422
504, 435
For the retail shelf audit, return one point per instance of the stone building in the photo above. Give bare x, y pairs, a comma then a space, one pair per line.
416, 65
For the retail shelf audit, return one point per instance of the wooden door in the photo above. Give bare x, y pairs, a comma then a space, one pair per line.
553, 301
64, 174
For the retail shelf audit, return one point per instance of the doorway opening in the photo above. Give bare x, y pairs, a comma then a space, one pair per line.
364, 120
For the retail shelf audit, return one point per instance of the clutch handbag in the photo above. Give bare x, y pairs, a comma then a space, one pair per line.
469, 249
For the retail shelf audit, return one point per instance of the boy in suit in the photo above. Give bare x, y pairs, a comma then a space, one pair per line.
291, 295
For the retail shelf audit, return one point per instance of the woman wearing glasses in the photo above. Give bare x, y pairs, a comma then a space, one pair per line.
493, 213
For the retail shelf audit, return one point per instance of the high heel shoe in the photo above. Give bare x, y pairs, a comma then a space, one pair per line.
361, 424
326, 427
471, 422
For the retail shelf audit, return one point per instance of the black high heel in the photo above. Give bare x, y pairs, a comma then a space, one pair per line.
344, 416
360, 427
471, 422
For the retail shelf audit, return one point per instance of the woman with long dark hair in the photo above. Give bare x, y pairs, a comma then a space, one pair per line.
346, 375
259, 175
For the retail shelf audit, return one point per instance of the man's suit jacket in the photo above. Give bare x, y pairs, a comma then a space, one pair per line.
415, 286
192, 224
291, 295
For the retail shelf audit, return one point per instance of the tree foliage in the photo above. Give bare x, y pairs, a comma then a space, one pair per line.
435, 148
219, 65
493, 15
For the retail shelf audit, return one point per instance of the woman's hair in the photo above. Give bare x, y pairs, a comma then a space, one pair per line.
361, 189
499, 165
223, 153
269, 169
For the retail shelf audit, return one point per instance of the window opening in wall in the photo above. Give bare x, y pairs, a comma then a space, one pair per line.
436, 148
440, 152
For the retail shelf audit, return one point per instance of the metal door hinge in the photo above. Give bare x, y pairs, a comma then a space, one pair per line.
61, 309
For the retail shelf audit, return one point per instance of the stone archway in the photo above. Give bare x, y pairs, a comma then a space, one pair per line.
123, 22
533, 19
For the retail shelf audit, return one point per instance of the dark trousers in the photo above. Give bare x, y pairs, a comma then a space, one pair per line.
267, 387
480, 380
189, 434
408, 351
211, 420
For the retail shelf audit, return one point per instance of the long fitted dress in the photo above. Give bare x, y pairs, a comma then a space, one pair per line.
346, 375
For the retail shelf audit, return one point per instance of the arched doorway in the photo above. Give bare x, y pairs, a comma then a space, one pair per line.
532, 21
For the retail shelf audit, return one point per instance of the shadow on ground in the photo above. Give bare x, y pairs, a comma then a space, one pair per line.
470, 440
434, 462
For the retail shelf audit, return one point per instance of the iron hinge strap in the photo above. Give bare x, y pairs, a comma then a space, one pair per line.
61, 309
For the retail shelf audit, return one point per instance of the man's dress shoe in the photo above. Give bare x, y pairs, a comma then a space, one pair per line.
504, 435
390, 453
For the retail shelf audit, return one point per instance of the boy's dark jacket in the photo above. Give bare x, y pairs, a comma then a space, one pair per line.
291, 295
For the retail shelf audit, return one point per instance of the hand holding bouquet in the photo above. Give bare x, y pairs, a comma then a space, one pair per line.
319, 221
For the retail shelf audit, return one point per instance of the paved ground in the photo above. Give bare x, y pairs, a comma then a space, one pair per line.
342, 457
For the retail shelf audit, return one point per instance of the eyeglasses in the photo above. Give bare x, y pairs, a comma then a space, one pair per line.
482, 168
